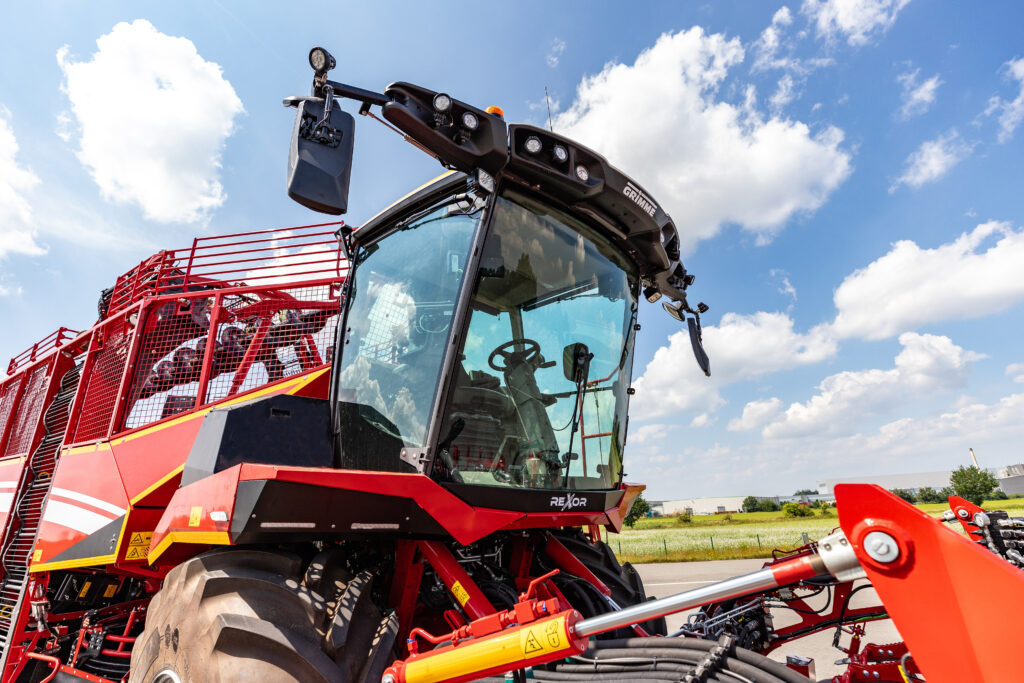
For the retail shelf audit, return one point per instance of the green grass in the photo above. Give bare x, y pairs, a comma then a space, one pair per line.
745, 535
724, 541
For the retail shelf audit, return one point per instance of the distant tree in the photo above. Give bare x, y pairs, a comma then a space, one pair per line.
797, 510
826, 511
767, 505
684, 517
639, 509
997, 495
945, 492
926, 494
905, 494
972, 483
806, 492
750, 504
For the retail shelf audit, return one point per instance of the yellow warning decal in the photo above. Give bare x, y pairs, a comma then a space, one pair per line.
460, 593
5, 611
37, 555
85, 589
137, 552
109, 592
138, 545
543, 638
141, 538
195, 516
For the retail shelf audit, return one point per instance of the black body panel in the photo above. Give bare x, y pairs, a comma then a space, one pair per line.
267, 511
275, 430
535, 500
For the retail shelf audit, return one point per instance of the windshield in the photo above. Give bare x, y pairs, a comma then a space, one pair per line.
526, 409
402, 297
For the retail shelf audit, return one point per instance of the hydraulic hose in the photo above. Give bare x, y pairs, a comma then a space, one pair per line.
668, 659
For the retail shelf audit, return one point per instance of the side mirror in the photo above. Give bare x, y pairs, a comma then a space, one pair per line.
320, 156
576, 362
698, 346
675, 309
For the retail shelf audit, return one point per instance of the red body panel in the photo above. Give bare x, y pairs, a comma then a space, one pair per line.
941, 590
10, 475
85, 497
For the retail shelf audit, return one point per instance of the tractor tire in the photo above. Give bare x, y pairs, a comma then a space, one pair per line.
623, 580
235, 615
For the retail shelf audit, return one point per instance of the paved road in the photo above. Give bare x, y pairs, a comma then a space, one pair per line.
674, 577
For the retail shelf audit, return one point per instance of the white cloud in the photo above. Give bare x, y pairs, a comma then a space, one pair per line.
927, 364
933, 159
153, 118
740, 347
703, 420
555, 53
910, 286
16, 182
710, 162
785, 287
1011, 112
647, 433
858, 20
971, 423
1016, 372
756, 414
784, 94
917, 98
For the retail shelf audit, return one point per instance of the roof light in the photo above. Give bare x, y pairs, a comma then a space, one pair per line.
321, 60
532, 144
652, 294
497, 111
560, 153
442, 103
470, 121
582, 173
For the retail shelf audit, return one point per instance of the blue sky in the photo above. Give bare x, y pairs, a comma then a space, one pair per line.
845, 175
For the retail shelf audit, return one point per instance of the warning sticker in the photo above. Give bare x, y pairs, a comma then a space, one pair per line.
109, 592
195, 516
137, 552
141, 538
546, 637
37, 555
85, 589
460, 593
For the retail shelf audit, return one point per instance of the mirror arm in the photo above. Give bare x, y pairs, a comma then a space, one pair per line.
367, 97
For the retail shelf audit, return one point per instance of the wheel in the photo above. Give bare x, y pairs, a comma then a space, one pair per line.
253, 615
506, 353
623, 580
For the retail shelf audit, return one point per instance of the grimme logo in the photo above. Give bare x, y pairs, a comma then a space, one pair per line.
568, 501
641, 200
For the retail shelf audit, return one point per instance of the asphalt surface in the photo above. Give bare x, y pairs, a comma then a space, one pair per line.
669, 578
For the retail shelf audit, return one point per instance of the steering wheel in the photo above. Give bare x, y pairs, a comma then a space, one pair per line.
505, 352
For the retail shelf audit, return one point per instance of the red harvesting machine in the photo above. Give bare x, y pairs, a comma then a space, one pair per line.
386, 454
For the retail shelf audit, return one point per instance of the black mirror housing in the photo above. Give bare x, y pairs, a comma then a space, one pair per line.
698, 346
576, 362
319, 171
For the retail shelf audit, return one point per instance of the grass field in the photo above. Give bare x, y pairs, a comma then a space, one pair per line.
737, 536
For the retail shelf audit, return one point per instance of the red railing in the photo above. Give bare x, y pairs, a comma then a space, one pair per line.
264, 257
186, 328
54, 340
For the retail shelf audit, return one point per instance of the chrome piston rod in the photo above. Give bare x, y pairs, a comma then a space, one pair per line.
782, 574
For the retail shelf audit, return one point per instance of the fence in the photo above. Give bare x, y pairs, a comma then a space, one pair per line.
753, 539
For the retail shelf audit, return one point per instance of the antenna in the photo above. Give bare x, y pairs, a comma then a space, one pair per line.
548, 100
